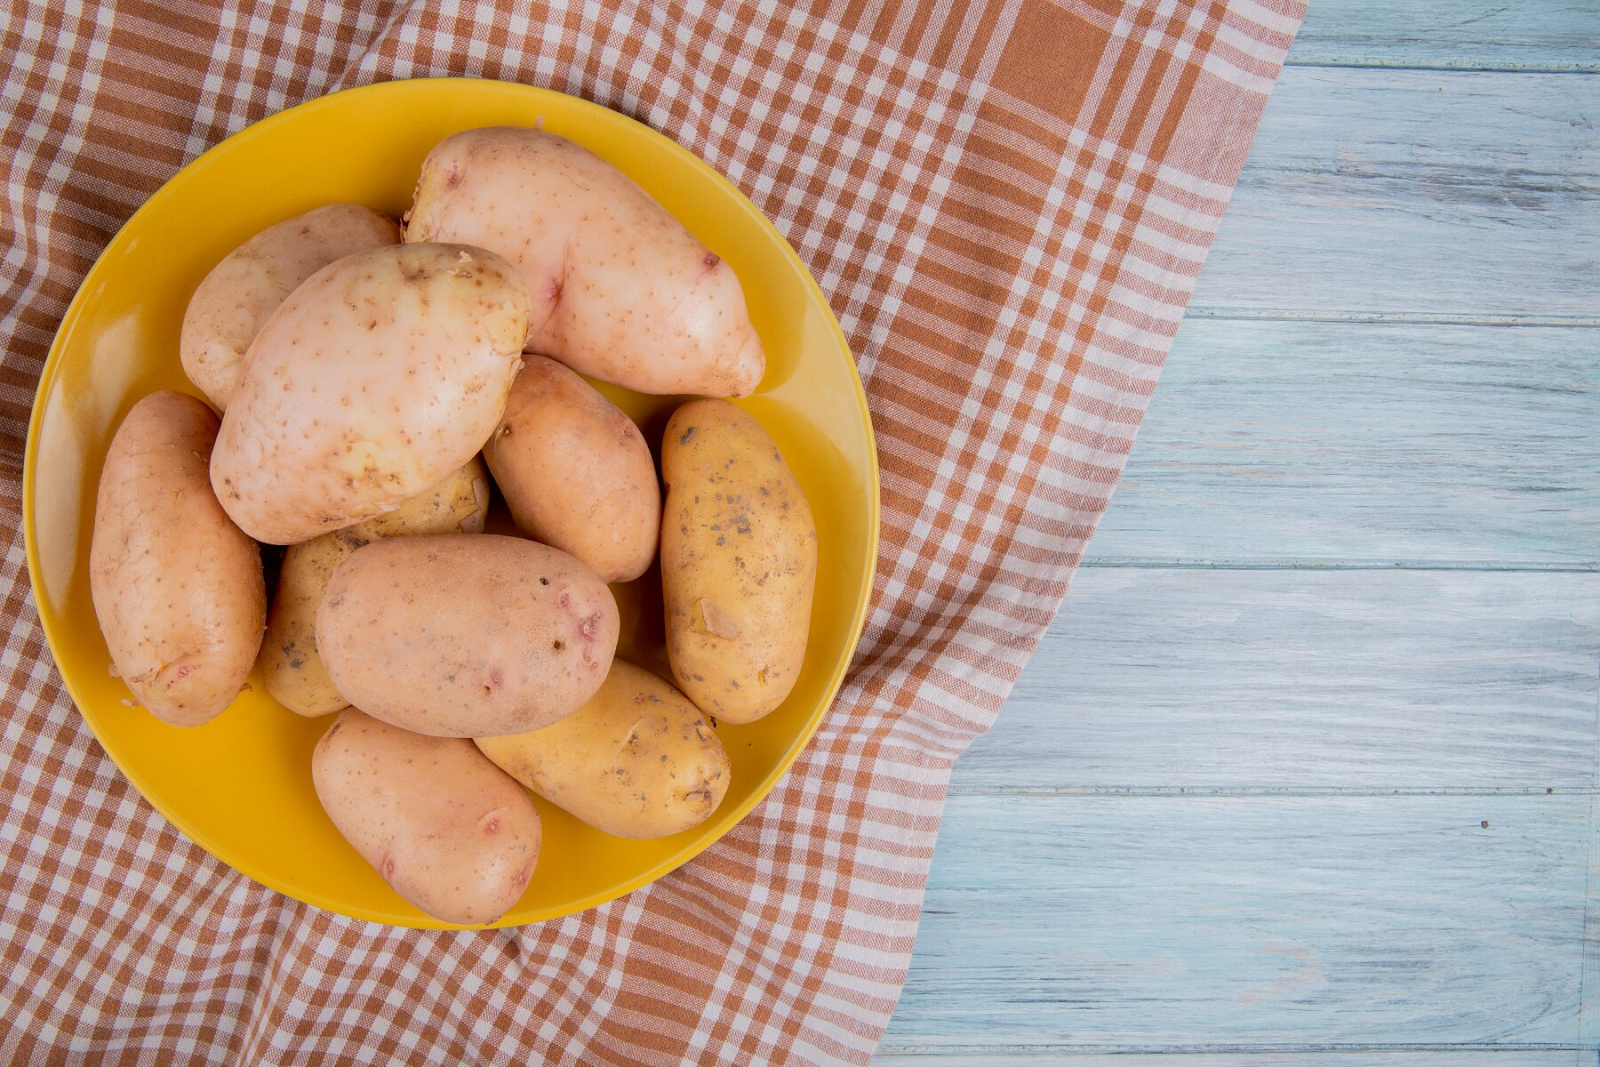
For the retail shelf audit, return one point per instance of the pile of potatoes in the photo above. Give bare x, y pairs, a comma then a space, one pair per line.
366, 375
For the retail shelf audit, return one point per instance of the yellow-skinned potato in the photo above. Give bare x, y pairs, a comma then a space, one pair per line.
380, 375
738, 562
450, 831
638, 760
466, 636
294, 672
176, 586
622, 292
576, 472
231, 303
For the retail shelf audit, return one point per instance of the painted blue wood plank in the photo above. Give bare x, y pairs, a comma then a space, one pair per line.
1372, 679
1406, 191
1136, 923
1540, 35
1589, 982
1288, 441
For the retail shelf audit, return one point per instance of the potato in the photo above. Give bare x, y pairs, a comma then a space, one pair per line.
232, 302
576, 472
447, 829
638, 760
466, 636
177, 587
294, 671
621, 290
379, 376
738, 562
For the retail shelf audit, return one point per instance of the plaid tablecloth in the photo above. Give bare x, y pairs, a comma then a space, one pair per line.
1007, 202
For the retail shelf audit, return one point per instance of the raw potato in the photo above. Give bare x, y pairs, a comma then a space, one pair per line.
576, 472
446, 828
638, 760
621, 291
177, 587
232, 302
294, 672
738, 562
466, 636
379, 376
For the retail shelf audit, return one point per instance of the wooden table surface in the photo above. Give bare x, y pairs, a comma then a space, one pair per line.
1305, 771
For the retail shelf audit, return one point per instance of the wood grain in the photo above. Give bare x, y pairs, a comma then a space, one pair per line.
1392, 192
1213, 1056
1284, 678
1589, 981
1352, 442
1532, 35
1139, 922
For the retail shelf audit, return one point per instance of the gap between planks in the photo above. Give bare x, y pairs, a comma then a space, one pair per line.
1395, 318
1293, 563
1239, 1056
1231, 1049
1339, 1056
958, 790
1457, 66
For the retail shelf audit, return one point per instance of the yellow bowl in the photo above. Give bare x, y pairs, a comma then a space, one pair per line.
240, 786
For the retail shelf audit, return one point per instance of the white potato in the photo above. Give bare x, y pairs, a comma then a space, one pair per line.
379, 376
621, 290
231, 303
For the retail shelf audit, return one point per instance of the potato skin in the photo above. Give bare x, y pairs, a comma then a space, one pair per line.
177, 587
576, 472
638, 760
622, 292
738, 562
466, 636
294, 672
231, 302
379, 376
452, 833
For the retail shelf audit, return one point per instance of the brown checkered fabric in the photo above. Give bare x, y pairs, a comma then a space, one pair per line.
1008, 203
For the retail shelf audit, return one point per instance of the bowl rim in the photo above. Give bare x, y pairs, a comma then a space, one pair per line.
724, 820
